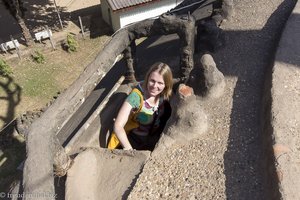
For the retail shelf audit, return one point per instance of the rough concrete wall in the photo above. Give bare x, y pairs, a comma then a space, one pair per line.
38, 169
104, 174
187, 120
184, 26
285, 110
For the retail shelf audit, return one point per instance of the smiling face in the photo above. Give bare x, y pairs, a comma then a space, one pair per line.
159, 81
156, 84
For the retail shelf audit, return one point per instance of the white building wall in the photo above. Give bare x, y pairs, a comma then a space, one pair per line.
120, 19
110, 17
116, 21
104, 11
147, 11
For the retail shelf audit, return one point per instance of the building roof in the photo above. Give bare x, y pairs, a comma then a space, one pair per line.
122, 4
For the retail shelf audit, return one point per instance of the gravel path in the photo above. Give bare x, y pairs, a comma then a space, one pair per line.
226, 162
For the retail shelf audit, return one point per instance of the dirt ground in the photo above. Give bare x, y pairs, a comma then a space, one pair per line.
59, 71
62, 67
228, 160
225, 162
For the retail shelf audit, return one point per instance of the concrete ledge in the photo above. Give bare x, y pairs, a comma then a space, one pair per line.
285, 108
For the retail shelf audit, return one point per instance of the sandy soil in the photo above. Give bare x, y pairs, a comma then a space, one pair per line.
225, 162
90, 12
97, 171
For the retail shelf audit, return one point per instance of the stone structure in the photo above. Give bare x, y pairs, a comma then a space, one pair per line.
187, 121
213, 78
41, 144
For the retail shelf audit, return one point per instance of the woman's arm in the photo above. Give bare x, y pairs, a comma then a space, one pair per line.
120, 122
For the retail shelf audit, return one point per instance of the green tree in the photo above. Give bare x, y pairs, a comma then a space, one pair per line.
17, 10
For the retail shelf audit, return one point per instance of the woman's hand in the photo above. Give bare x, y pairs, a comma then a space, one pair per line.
131, 152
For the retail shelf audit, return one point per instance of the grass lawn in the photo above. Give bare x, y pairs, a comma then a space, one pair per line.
30, 87
33, 85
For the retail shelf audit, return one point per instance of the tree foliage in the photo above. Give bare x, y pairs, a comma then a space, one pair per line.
5, 69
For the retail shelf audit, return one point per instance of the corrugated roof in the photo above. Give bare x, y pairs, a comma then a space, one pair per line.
121, 4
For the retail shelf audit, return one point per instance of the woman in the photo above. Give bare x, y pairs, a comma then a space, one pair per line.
145, 111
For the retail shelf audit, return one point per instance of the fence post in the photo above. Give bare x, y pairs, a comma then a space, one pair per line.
4, 49
17, 48
50, 37
80, 22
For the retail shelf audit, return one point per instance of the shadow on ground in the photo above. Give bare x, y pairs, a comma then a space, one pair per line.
40, 14
248, 56
246, 157
243, 159
12, 153
11, 97
12, 150
92, 21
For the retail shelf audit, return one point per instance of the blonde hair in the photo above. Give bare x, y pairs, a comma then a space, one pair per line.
165, 71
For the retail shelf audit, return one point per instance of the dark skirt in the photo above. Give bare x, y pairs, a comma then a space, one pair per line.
139, 142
